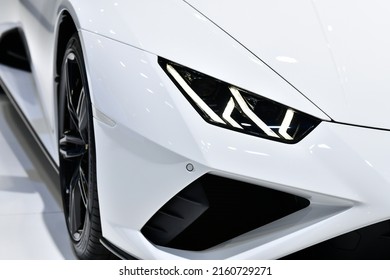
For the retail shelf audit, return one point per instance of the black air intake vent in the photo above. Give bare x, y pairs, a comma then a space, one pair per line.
13, 50
175, 216
216, 209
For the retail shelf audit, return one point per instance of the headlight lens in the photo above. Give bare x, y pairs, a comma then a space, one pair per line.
230, 107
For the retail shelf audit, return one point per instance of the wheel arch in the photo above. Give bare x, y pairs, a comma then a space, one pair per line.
66, 28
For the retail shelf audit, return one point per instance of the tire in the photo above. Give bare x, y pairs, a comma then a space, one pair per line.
77, 156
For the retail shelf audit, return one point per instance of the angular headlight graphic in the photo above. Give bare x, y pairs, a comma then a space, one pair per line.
233, 108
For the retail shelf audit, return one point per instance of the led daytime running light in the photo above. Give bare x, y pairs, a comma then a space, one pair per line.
228, 106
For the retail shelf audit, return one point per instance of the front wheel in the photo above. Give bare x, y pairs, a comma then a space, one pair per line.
77, 156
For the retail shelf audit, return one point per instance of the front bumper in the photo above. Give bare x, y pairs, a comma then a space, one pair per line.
147, 133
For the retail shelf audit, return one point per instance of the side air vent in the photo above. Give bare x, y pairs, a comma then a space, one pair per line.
214, 209
175, 216
13, 50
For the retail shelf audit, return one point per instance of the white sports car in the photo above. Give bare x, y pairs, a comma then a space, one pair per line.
203, 129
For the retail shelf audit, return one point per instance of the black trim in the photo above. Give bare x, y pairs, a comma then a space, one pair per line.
28, 125
116, 251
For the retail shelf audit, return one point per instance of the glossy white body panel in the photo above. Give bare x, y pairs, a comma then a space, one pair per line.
147, 132
180, 31
37, 20
28, 101
334, 52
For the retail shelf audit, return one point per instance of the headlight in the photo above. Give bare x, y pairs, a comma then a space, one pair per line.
233, 108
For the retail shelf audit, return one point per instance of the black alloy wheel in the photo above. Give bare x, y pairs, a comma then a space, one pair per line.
77, 156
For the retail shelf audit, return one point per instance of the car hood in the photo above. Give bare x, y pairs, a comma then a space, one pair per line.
335, 53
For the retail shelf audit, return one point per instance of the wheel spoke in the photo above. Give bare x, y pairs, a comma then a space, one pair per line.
71, 110
75, 215
83, 185
82, 115
72, 82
